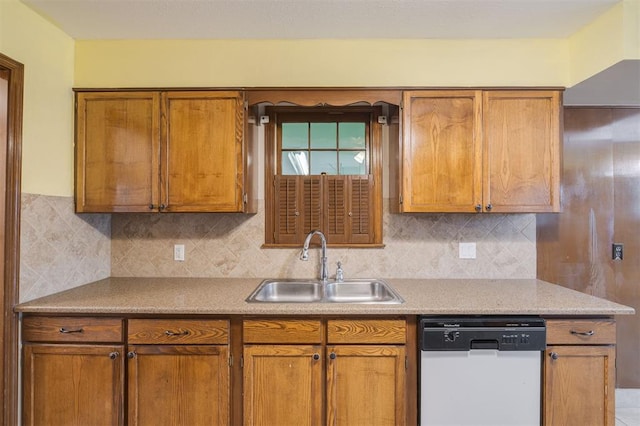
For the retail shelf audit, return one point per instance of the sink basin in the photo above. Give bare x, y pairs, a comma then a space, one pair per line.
361, 291
313, 291
287, 291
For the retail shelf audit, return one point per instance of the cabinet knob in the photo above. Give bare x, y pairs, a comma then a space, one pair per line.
162, 207
151, 206
554, 355
131, 355
489, 207
114, 355
478, 207
316, 357
332, 355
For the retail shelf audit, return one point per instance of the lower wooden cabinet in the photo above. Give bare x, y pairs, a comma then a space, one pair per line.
357, 378
73, 384
366, 385
283, 385
579, 373
73, 371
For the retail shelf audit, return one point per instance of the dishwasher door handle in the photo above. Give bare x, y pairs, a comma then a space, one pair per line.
484, 344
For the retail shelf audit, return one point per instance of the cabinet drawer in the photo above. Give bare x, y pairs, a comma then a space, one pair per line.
178, 331
282, 331
72, 329
367, 331
581, 332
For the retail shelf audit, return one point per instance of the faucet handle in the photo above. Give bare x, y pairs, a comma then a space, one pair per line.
304, 254
339, 273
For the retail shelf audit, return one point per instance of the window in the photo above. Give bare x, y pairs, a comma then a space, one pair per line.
324, 172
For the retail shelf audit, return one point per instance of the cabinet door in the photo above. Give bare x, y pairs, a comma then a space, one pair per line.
521, 151
579, 385
441, 151
117, 151
67, 384
366, 385
171, 385
202, 157
283, 385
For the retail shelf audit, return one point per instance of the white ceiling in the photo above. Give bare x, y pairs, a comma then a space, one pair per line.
311, 19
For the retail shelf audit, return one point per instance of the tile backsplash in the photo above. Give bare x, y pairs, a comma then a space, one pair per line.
58, 248
61, 250
417, 246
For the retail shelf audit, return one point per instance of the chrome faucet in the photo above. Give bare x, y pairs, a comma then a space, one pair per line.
304, 255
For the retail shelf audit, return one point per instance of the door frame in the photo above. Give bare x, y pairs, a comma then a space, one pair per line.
10, 285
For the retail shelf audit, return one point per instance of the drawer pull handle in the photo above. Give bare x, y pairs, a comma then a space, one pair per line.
583, 333
176, 333
69, 331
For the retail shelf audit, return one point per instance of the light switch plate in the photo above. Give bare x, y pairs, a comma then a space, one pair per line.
467, 250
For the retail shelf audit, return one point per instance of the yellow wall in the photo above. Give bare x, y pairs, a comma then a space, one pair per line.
54, 63
155, 63
612, 37
48, 56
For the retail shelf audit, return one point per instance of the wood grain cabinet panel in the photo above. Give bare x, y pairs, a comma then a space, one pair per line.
366, 385
580, 372
178, 385
579, 385
283, 385
442, 151
359, 380
478, 151
521, 140
163, 151
72, 329
73, 384
117, 151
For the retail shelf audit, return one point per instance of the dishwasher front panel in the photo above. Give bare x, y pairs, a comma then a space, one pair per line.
480, 388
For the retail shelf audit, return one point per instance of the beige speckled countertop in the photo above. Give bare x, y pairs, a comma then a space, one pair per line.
226, 296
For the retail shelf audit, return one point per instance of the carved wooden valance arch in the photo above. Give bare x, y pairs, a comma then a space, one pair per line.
323, 97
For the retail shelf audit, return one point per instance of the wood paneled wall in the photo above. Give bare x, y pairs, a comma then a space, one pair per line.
600, 206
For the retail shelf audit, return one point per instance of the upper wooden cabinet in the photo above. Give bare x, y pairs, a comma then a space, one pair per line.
473, 151
166, 151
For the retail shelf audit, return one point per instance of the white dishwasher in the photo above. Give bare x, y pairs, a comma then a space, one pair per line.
481, 370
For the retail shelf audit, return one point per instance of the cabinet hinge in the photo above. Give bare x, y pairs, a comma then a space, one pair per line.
242, 362
246, 105
231, 360
400, 199
245, 198
406, 362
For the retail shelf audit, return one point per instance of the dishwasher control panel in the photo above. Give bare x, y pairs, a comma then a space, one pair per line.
520, 333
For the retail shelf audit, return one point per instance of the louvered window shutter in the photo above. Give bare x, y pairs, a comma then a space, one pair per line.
312, 203
360, 207
287, 218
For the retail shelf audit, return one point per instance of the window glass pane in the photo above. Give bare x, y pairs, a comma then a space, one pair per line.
352, 135
324, 162
295, 163
353, 163
323, 135
295, 136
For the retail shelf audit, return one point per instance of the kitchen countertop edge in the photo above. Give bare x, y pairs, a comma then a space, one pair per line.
226, 296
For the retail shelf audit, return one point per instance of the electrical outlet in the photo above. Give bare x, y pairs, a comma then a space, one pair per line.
178, 252
617, 252
467, 250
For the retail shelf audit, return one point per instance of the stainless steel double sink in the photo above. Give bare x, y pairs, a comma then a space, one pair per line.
314, 291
